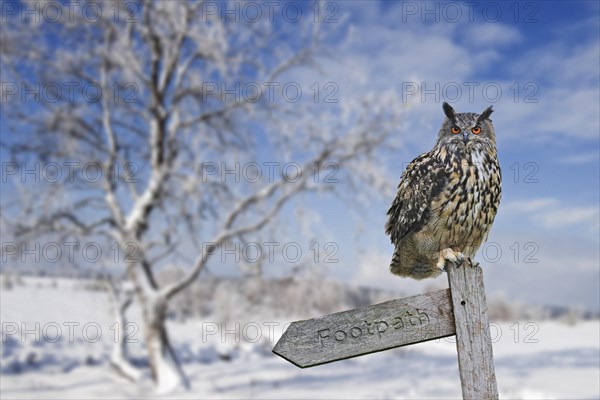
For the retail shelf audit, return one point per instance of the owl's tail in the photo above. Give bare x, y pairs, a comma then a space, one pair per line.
416, 267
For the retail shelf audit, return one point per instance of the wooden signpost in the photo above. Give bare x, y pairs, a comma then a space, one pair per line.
460, 310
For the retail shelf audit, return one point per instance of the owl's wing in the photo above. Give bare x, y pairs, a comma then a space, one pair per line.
421, 182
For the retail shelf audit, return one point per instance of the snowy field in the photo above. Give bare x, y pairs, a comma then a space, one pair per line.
534, 360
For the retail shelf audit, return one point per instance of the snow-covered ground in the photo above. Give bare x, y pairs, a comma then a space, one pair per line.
540, 360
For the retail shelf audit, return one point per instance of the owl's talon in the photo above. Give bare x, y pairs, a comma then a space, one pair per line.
448, 254
455, 257
473, 264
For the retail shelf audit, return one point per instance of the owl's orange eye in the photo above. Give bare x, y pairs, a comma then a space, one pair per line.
455, 129
476, 130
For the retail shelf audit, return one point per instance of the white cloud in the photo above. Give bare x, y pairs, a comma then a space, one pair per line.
529, 205
552, 213
490, 35
561, 217
580, 158
373, 269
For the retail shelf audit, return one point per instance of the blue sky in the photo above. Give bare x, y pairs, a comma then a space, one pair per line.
548, 132
545, 59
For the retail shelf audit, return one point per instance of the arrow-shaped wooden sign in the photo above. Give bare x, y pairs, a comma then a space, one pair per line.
460, 310
367, 330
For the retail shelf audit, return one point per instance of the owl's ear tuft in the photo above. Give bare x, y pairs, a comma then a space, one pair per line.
485, 114
449, 111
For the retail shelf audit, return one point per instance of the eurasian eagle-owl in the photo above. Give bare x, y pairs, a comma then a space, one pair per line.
447, 198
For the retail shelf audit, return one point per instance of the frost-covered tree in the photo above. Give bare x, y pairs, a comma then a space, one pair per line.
150, 114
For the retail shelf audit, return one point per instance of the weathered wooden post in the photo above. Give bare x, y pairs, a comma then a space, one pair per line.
460, 310
473, 341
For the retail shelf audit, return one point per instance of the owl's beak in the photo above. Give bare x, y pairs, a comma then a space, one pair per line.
465, 137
